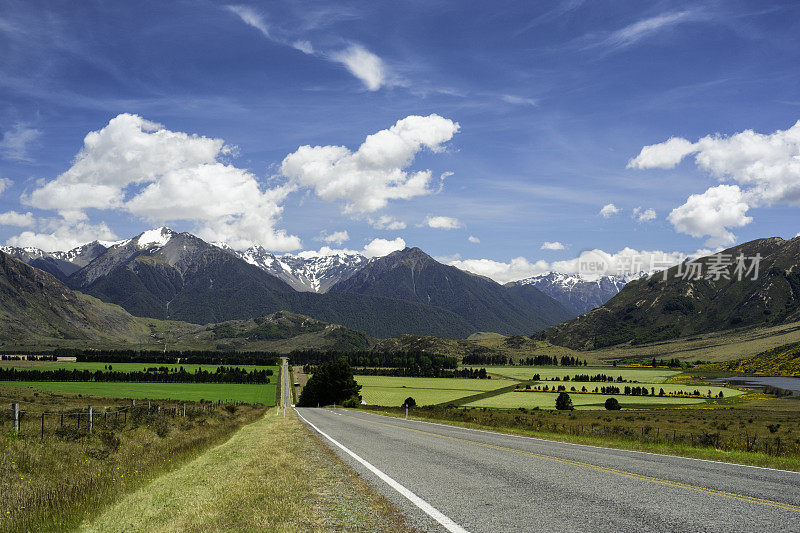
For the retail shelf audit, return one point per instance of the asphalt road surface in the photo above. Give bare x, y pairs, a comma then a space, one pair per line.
447, 478
285, 401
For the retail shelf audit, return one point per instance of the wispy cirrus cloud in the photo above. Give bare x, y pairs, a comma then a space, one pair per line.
365, 65
16, 141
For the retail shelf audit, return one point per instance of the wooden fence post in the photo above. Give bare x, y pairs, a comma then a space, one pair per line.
91, 421
15, 416
184, 410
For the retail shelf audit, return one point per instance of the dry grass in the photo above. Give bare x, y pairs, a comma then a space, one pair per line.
272, 475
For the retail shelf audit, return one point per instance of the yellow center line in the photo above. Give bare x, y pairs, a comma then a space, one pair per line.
660, 481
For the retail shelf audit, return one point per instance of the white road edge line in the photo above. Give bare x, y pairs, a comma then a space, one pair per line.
584, 445
427, 508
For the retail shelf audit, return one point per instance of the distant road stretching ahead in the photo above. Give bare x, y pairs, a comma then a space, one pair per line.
456, 479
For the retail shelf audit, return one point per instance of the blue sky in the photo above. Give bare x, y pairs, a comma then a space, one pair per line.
535, 116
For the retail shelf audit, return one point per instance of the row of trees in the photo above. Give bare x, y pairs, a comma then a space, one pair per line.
28, 358
404, 359
584, 377
151, 375
416, 371
195, 357
538, 360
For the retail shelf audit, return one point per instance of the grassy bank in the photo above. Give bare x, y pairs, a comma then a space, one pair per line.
755, 431
52, 483
273, 475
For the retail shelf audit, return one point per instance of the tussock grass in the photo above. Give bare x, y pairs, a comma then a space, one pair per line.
272, 475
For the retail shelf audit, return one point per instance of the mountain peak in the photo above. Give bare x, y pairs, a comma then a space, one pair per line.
155, 237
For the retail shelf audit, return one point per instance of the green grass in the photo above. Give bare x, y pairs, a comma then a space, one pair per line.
642, 375
390, 391
190, 392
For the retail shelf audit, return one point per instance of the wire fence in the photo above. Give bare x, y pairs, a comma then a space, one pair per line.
90, 418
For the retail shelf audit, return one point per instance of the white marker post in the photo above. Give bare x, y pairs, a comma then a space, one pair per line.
406, 406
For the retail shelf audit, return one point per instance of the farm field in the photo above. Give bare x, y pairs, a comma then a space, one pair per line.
190, 392
642, 375
547, 400
392, 391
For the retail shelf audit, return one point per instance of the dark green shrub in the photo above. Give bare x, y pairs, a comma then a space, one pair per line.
612, 404
410, 402
353, 403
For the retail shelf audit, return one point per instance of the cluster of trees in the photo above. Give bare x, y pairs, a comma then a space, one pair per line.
417, 372
150, 375
487, 359
160, 357
332, 383
28, 358
404, 359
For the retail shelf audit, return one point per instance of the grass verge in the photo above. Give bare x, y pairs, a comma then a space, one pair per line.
52, 483
272, 475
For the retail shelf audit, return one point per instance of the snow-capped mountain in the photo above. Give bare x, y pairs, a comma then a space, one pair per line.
63, 264
307, 271
59, 264
576, 293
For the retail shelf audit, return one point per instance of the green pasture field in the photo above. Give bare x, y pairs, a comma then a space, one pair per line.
190, 392
547, 400
392, 391
122, 367
641, 375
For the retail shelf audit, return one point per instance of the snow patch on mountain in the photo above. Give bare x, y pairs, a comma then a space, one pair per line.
305, 271
155, 237
577, 293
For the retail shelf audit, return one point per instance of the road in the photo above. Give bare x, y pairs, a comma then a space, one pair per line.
457, 479
286, 386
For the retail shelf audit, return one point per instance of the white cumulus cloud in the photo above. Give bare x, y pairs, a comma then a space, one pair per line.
641, 214
374, 248
765, 169
609, 210
12, 218
662, 155
474, 239
442, 222
57, 236
625, 261
711, 214
547, 245
140, 167
365, 180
